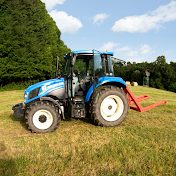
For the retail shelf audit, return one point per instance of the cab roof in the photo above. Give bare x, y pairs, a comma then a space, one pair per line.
91, 52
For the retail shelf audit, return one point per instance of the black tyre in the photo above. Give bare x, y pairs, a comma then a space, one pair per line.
42, 117
110, 106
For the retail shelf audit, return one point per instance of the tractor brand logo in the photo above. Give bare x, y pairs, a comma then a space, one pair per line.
55, 85
45, 88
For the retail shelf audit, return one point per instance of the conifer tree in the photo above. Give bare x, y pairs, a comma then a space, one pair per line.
29, 41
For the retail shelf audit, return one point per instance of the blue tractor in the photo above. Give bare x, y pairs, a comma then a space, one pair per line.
86, 87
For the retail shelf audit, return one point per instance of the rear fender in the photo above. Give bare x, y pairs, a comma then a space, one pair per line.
103, 81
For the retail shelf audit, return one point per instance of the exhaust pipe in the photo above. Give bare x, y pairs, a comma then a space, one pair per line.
57, 67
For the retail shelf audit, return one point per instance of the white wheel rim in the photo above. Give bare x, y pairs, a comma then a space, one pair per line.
112, 108
42, 119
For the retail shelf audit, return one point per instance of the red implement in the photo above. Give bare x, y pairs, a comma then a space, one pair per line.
136, 100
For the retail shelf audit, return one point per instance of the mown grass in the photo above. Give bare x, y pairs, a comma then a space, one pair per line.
145, 144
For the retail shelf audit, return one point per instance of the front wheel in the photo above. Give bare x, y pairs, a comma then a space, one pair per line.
111, 107
42, 117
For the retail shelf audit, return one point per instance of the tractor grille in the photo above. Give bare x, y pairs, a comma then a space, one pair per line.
34, 93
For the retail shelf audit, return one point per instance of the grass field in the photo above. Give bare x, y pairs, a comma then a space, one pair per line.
145, 144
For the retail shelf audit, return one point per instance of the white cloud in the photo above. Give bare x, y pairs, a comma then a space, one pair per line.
126, 48
146, 22
132, 53
66, 23
137, 54
108, 46
51, 3
99, 18
146, 49
127, 51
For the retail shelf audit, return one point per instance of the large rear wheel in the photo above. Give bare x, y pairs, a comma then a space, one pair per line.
111, 107
42, 117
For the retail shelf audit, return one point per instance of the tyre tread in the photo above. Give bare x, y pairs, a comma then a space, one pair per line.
32, 108
93, 107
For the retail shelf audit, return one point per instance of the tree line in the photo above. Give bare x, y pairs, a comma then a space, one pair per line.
162, 74
29, 42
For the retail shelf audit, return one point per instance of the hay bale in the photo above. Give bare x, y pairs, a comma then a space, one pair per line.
134, 84
128, 83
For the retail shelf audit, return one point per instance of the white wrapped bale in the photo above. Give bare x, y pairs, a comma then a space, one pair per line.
134, 84
128, 83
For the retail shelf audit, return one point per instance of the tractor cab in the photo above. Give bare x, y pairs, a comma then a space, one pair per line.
83, 71
83, 68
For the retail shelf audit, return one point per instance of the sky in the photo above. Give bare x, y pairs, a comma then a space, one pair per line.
135, 30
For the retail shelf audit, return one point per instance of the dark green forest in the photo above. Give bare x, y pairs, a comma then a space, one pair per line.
29, 42
162, 74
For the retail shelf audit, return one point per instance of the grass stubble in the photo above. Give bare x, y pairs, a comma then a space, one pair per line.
145, 144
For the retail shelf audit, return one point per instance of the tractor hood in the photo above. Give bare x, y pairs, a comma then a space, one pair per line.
43, 89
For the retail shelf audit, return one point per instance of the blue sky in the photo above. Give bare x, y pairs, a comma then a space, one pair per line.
135, 30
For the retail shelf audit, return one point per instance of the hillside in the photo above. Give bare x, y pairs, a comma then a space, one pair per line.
143, 145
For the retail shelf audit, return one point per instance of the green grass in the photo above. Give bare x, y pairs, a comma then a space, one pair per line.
17, 85
145, 144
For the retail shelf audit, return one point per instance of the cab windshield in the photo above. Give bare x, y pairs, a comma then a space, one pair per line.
99, 65
110, 65
103, 65
83, 65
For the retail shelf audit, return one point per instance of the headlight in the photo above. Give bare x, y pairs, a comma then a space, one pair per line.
25, 97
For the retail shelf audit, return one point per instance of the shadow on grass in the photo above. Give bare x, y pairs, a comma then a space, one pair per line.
7, 164
67, 117
21, 120
86, 120
8, 167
